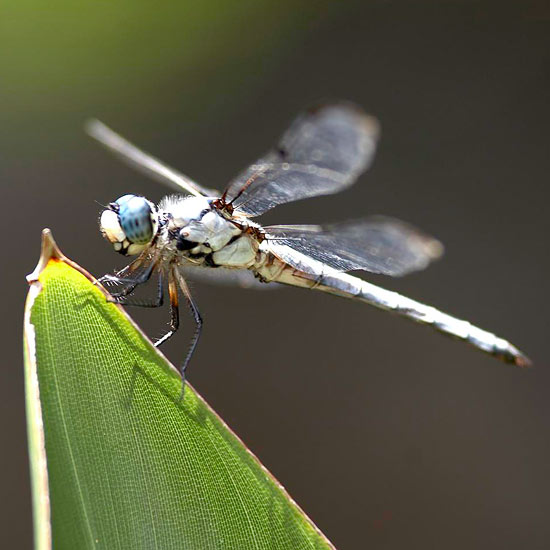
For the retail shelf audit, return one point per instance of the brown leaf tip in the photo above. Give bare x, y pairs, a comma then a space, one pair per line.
49, 251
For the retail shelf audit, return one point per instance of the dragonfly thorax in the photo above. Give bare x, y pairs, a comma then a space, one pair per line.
130, 224
198, 231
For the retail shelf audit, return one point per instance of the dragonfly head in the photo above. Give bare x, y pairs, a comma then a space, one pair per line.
130, 224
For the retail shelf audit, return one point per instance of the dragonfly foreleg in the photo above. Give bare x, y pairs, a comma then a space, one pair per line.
131, 284
124, 300
119, 277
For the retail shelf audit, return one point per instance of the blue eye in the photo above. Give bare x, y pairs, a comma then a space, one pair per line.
136, 218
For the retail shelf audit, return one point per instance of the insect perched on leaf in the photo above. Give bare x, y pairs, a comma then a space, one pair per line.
203, 231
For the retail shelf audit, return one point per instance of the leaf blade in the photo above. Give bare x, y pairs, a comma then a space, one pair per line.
129, 464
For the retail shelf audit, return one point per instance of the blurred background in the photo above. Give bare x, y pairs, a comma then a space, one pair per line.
386, 433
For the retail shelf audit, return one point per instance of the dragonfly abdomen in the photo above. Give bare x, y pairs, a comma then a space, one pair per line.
348, 286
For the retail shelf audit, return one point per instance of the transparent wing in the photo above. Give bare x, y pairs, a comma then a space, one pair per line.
323, 152
145, 163
376, 244
225, 277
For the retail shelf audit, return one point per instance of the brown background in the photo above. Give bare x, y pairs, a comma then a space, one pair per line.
387, 434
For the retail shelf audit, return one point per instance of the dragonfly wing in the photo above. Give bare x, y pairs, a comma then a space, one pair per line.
144, 162
377, 244
242, 278
324, 151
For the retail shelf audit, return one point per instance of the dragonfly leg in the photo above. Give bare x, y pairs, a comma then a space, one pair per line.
123, 299
130, 283
119, 278
198, 326
174, 312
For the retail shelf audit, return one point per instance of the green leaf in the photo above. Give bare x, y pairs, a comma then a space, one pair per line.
117, 460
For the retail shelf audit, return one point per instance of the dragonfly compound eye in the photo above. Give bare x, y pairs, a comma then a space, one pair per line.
129, 224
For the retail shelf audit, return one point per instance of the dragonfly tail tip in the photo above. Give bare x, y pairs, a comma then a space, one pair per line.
517, 358
523, 361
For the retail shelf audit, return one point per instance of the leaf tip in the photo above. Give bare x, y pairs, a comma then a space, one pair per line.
49, 251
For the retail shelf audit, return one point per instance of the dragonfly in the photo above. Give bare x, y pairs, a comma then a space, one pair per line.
201, 231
